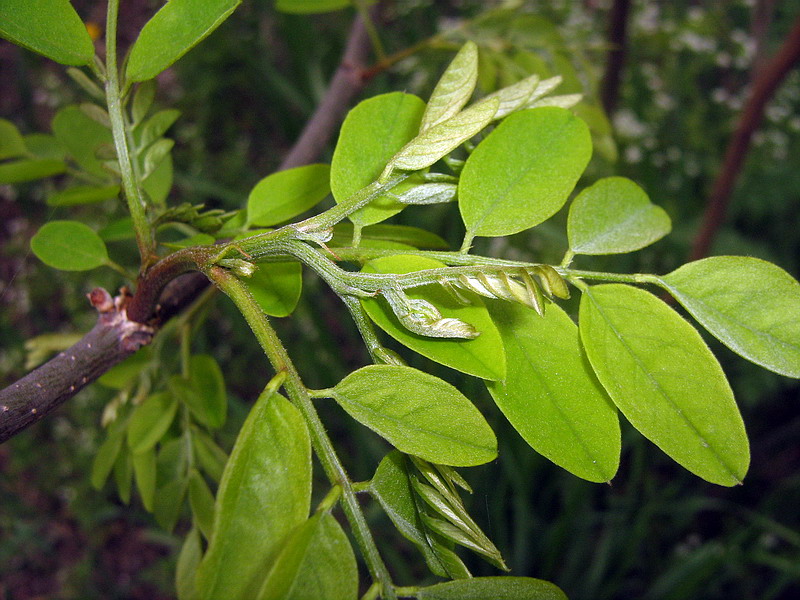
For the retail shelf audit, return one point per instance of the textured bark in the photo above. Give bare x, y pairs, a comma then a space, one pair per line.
764, 88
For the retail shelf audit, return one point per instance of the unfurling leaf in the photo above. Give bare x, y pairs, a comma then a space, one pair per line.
438, 141
391, 485
664, 379
750, 305
418, 413
429, 193
482, 356
454, 88
422, 317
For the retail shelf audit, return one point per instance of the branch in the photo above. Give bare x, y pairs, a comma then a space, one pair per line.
167, 292
764, 88
617, 41
349, 79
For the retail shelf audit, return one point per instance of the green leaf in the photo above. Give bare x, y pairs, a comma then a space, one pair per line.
482, 356
154, 128
20, 171
550, 394
172, 32
118, 230
158, 183
142, 101
202, 502
155, 155
49, 27
286, 194
11, 143
188, 559
69, 246
316, 561
43, 145
264, 494
418, 413
523, 172
750, 305
83, 194
211, 401
371, 134
107, 454
171, 482
144, 473
391, 486
276, 287
438, 141
168, 502
82, 137
514, 97
665, 380
613, 216
454, 88
198, 239
302, 7
150, 421
123, 475
211, 457
496, 588
402, 234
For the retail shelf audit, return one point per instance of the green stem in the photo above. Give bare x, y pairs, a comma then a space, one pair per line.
130, 183
467, 244
323, 447
614, 277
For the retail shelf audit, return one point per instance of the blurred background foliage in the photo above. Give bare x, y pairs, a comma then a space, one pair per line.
656, 532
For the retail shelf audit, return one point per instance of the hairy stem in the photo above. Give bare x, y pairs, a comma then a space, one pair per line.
130, 183
323, 447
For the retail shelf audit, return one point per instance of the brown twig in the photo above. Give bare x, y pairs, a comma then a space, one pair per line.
618, 46
764, 88
348, 80
168, 290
